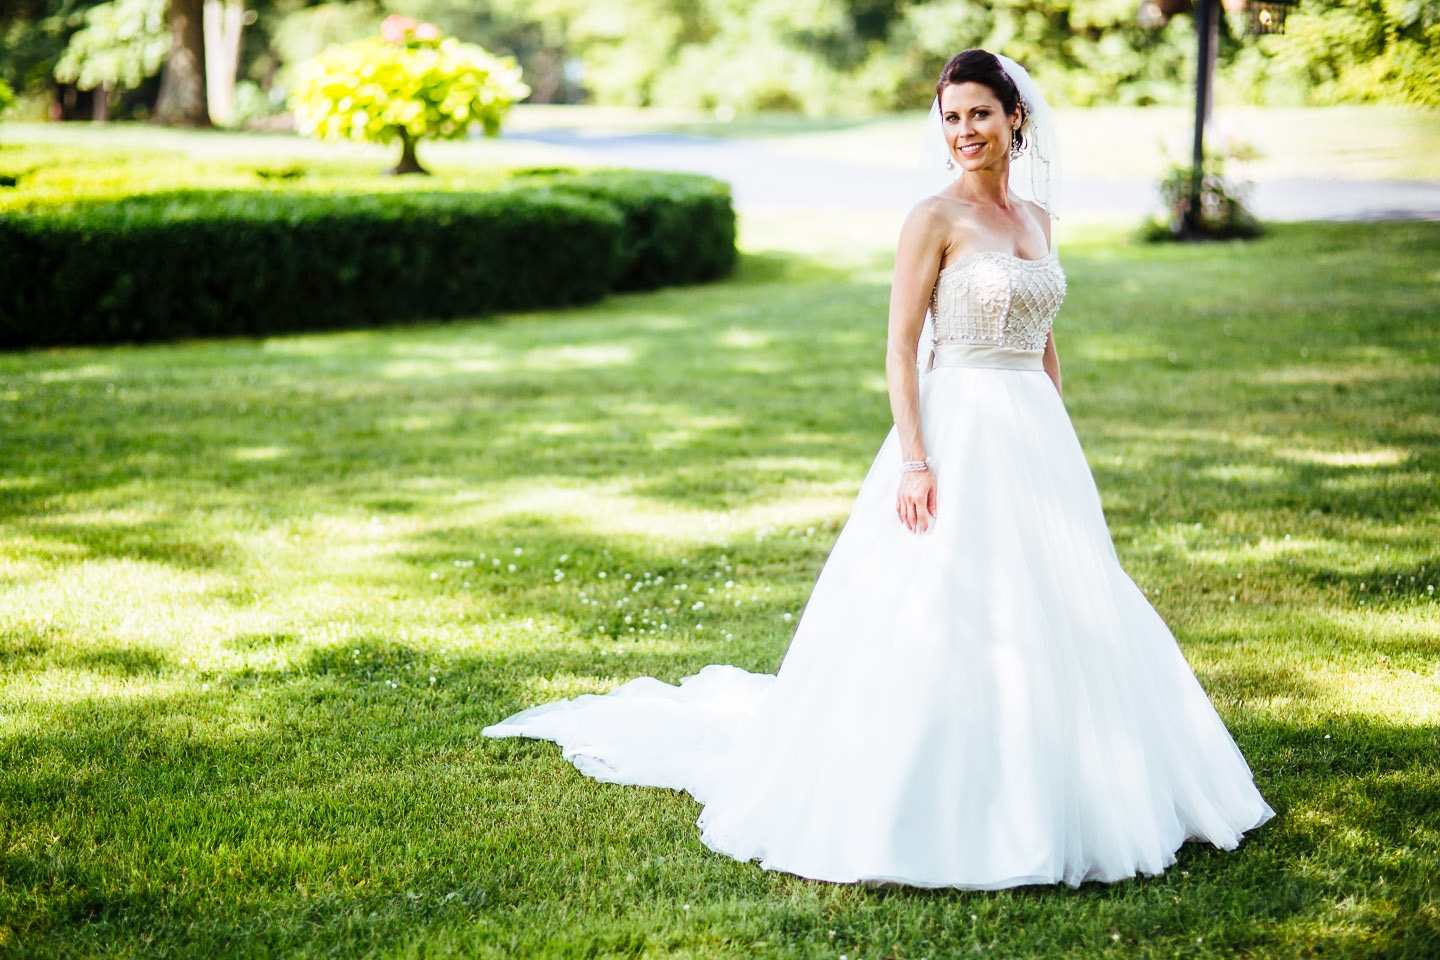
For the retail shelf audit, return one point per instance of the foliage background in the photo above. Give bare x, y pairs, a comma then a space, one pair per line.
819, 56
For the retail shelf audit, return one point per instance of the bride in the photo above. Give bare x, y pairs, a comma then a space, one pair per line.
977, 695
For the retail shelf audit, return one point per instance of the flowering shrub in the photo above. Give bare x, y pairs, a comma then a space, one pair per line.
409, 84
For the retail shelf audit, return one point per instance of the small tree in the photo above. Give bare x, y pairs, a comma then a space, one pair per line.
410, 84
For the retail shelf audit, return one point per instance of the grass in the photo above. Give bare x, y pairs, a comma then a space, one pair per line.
258, 598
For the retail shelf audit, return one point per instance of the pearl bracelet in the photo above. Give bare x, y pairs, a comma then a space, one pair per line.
915, 466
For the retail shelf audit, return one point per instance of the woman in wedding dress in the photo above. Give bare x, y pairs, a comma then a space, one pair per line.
976, 696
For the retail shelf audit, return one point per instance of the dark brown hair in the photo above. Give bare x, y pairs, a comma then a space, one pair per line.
983, 67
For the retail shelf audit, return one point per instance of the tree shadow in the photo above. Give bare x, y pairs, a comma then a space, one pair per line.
124, 662
394, 785
241, 820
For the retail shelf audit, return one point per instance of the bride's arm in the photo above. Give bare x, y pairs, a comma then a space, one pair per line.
1051, 358
1052, 361
917, 261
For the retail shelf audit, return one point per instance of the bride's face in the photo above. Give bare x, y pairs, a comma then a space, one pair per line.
977, 130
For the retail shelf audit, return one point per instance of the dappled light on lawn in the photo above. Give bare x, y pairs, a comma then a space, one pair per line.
258, 599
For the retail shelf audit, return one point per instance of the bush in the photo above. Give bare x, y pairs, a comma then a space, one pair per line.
679, 228
255, 263
1224, 212
208, 264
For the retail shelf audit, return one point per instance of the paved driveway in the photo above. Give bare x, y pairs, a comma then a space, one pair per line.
767, 179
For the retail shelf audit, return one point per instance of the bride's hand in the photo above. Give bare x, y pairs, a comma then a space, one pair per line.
915, 503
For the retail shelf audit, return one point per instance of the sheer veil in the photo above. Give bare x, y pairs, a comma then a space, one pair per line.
1034, 175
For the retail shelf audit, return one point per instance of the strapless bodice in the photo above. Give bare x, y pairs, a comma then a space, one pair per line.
997, 300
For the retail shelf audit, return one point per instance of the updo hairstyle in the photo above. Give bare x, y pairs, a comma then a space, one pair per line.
983, 67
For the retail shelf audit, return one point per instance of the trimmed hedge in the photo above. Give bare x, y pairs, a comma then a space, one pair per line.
253, 263
679, 228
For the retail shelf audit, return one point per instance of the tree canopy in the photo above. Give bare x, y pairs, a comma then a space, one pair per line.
121, 43
816, 56
410, 83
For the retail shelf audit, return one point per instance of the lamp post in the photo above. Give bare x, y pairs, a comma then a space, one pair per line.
1264, 16
1207, 29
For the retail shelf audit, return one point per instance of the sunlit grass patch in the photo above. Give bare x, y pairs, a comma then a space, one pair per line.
258, 599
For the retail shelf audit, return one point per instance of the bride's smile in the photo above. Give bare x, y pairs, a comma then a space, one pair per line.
977, 129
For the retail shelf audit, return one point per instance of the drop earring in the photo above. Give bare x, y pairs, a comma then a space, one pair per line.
950, 163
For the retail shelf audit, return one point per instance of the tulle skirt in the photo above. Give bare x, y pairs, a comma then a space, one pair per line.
989, 704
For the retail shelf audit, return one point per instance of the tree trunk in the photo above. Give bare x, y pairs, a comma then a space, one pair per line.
408, 163
182, 84
100, 110
224, 21
546, 76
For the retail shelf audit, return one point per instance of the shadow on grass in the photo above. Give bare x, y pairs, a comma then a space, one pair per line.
1384, 586
326, 797
324, 809
125, 662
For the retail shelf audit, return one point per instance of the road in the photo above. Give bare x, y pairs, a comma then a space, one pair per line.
767, 179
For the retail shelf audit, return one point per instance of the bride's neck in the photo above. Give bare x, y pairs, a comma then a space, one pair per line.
991, 187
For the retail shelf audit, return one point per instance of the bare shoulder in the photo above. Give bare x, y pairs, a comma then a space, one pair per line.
940, 220
1041, 217
930, 217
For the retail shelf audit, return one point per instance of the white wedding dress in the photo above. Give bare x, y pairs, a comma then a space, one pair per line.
988, 704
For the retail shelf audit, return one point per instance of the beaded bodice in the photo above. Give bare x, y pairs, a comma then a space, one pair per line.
997, 299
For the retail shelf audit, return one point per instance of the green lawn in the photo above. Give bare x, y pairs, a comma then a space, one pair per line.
258, 599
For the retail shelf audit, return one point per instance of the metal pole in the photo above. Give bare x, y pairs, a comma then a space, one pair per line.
1205, 30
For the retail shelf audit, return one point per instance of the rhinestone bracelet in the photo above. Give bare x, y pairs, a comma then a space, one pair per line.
915, 466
